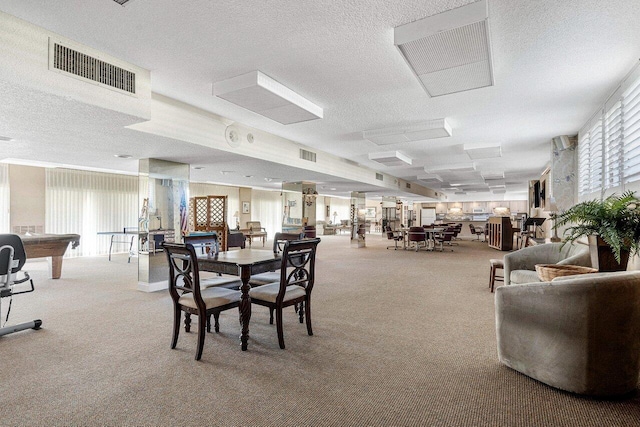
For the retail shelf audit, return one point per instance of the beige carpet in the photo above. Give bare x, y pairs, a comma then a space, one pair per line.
400, 339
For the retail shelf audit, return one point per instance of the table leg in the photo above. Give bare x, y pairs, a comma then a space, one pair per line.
110, 246
56, 267
245, 306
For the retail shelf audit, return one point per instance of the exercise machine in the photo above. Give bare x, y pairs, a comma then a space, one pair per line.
12, 259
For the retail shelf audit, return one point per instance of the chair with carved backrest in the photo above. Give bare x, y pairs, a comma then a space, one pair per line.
278, 244
188, 296
297, 276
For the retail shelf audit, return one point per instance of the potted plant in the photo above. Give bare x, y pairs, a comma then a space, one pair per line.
612, 227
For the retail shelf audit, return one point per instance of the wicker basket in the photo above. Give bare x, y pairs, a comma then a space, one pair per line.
548, 272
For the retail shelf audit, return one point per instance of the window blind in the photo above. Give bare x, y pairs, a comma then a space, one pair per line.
595, 155
631, 132
583, 163
613, 146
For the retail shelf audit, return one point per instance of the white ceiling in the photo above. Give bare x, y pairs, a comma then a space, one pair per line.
554, 64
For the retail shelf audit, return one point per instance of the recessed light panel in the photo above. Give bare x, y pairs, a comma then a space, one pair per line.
484, 152
390, 158
261, 94
449, 52
430, 129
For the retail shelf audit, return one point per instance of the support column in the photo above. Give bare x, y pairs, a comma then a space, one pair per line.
357, 213
163, 197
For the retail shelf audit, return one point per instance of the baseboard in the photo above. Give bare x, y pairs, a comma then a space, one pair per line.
153, 287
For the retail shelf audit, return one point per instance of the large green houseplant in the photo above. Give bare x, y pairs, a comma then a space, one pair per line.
612, 226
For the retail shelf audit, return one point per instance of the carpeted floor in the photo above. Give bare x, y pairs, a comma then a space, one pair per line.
400, 339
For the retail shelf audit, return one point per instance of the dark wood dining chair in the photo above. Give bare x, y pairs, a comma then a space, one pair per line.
297, 276
278, 243
187, 295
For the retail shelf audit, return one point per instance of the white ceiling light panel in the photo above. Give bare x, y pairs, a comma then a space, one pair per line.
430, 129
455, 167
493, 175
483, 152
390, 158
429, 177
449, 52
261, 94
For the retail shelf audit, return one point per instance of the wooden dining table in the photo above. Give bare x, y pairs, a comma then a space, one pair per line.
243, 263
430, 236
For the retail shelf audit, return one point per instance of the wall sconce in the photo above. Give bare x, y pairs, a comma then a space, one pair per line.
309, 196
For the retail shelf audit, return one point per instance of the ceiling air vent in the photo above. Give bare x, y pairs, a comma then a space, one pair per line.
379, 176
307, 155
81, 65
123, 2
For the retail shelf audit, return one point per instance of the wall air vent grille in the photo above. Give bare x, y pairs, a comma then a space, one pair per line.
87, 67
379, 176
307, 155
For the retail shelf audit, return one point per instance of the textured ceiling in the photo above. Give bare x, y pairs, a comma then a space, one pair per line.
554, 63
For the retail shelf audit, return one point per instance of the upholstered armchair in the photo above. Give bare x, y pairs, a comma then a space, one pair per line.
576, 333
520, 266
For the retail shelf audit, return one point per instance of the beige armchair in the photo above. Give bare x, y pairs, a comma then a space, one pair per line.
520, 266
576, 333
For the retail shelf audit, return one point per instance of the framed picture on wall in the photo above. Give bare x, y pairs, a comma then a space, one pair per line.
246, 207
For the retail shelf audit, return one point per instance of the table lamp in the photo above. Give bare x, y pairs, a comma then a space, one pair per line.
335, 215
236, 215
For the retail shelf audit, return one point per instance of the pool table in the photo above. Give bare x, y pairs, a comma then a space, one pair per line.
50, 245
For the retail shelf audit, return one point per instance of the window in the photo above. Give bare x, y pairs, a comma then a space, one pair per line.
609, 144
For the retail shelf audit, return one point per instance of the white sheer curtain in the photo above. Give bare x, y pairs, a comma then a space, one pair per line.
197, 189
266, 207
86, 203
342, 207
5, 200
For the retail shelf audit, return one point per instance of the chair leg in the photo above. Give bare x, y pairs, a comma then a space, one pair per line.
177, 314
308, 317
209, 323
279, 327
492, 277
301, 312
270, 316
202, 323
216, 319
187, 322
